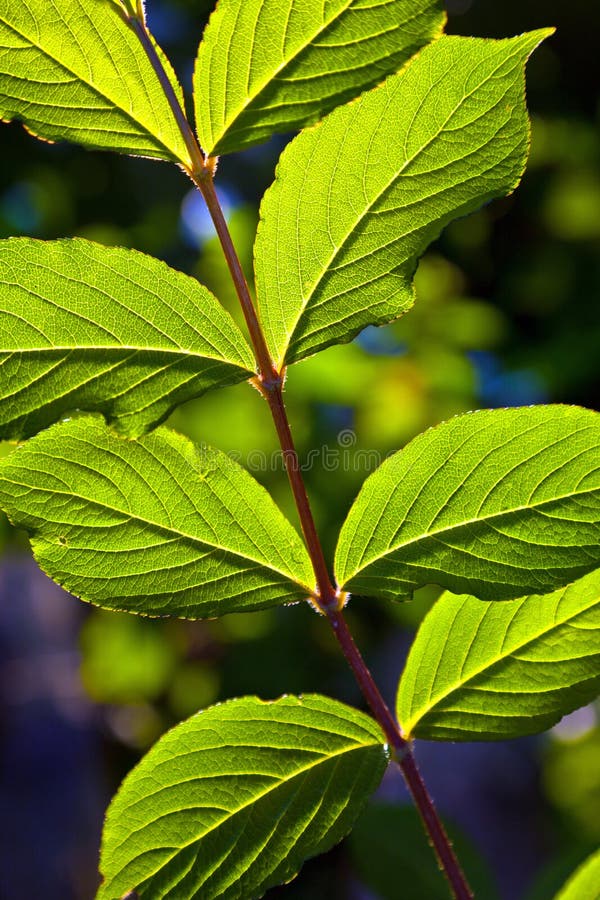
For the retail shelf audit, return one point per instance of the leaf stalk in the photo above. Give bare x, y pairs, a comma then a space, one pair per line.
195, 153
205, 184
402, 755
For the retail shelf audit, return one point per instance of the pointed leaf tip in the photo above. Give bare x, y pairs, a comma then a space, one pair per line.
357, 200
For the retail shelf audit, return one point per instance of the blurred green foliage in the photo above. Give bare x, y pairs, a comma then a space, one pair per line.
507, 314
389, 839
571, 778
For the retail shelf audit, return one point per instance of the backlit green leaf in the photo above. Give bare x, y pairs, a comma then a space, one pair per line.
496, 503
156, 526
584, 884
358, 198
267, 66
233, 800
96, 328
490, 671
76, 70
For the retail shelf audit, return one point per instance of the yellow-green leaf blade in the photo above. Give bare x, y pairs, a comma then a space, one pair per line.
156, 526
108, 330
358, 198
267, 66
584, 883
232, 801
75, 70
496, 503
490, 671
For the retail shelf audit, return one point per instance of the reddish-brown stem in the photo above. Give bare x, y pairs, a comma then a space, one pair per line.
402, 754
368, 687
327, 594
201, 171
370, 691
206, 186
327, 598
444, 851
270, 383
139, 27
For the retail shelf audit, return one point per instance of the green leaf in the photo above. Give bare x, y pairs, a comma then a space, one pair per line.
76, 70
496, 503
233, 800
106, 329
358, 198
267, 66
491, 671
584, 884
156, 526
571, 852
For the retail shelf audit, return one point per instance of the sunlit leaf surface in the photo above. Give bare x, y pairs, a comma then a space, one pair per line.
89, 327
497, 503
489, 671
358, 198
76, 70
157, 526
233, 800
267, 66
585, 881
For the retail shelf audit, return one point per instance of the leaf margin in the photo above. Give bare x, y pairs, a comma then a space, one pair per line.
51, 539
296, 707
436, 647
128, 266
410, 455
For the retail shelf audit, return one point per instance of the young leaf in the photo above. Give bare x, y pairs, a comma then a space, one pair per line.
233, 800
75, 70
491, 671
585, 881
156, 526
358, 198
267, 66
497, 503
106, 329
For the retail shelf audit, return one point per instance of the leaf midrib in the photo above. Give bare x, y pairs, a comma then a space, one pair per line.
231, 813
252, 96
100, 93
457, 686
112, 348
157, 526
472, 521
306, 298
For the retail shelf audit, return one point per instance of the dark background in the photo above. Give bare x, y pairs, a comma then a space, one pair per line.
507, 314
